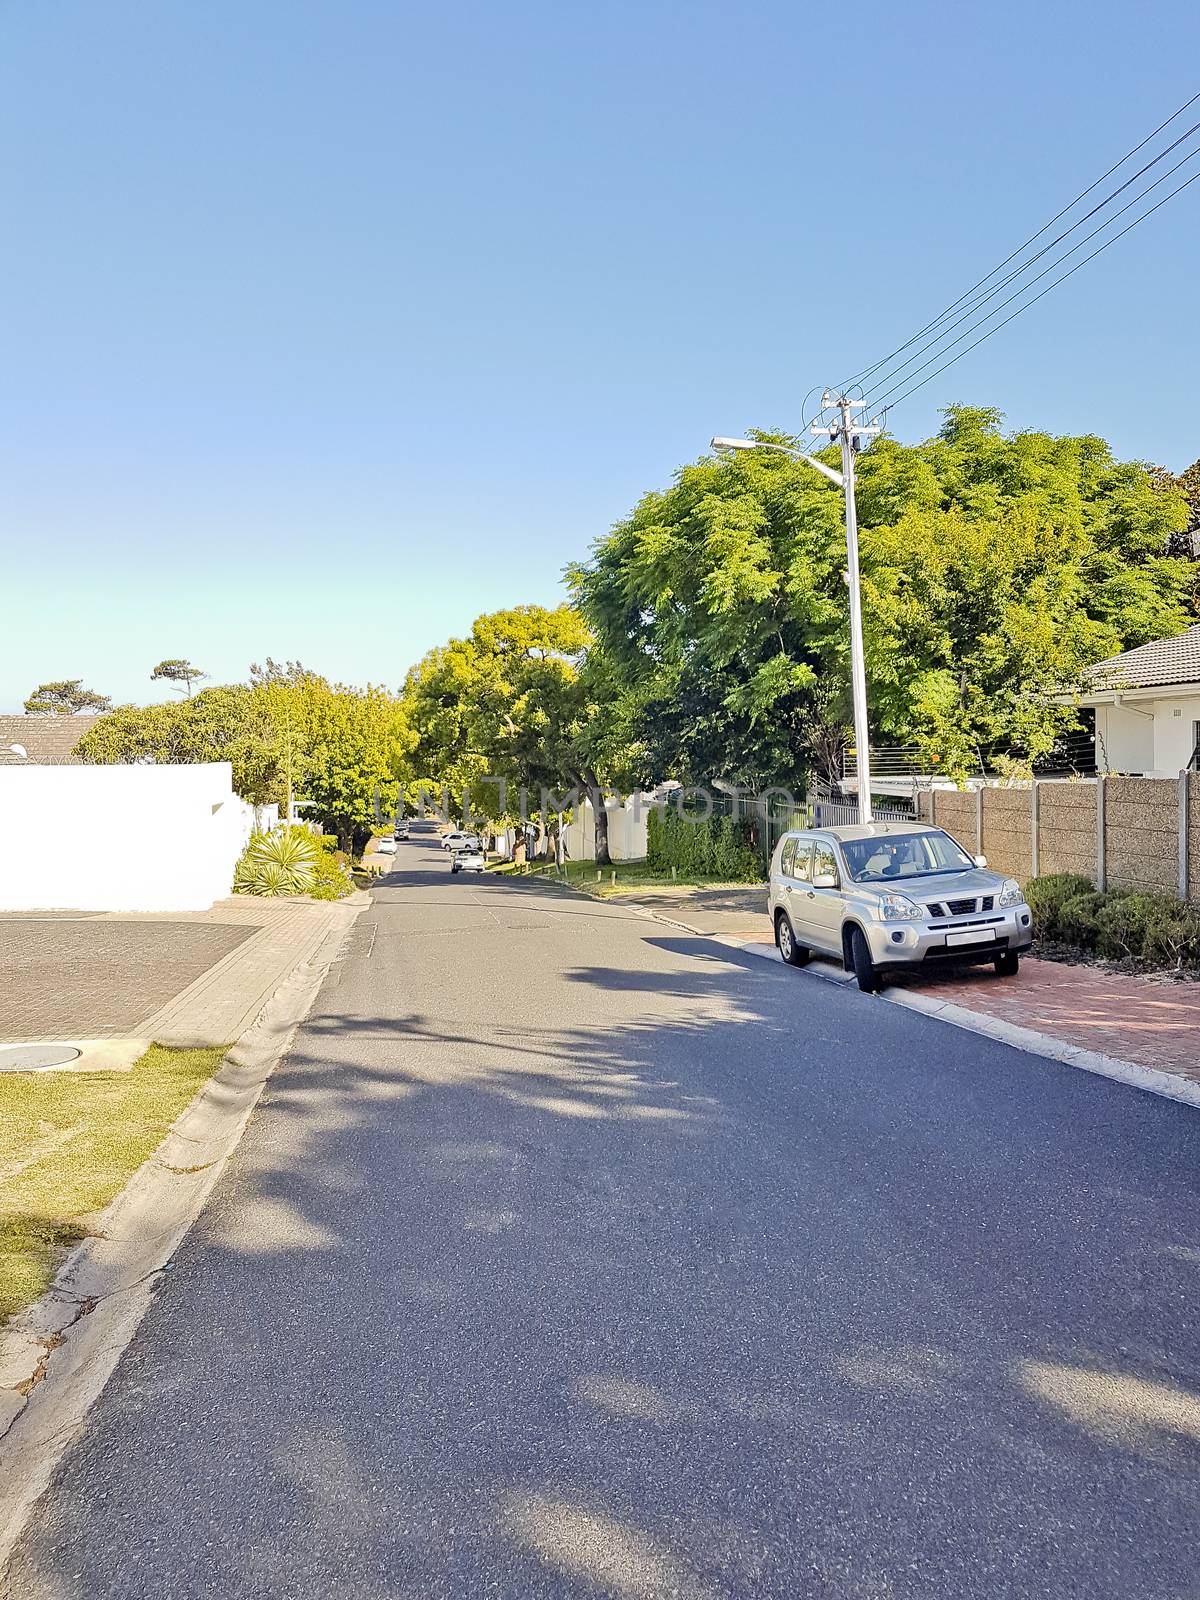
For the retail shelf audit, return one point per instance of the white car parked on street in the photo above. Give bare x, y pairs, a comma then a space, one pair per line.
460, 841
893, 895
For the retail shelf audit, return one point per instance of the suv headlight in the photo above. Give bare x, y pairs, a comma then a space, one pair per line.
899, 908
1010, 894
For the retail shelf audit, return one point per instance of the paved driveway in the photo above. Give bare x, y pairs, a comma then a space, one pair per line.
98, 977
571, 1256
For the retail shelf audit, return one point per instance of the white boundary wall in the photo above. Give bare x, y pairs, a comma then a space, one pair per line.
119, 838
626, 830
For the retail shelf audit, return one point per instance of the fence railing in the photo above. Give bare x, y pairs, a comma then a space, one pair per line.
843, 813
896, 761
1075, 752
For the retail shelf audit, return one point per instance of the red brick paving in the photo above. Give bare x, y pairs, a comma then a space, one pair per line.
1150, 1021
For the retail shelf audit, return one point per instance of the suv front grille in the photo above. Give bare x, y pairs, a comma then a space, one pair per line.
960, 908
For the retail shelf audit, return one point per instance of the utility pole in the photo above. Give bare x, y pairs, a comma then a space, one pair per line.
291, 805
847, 433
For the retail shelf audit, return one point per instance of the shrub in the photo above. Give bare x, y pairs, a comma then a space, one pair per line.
1154, 930
1049, 896
332, 880
1077, 919
702, 847
284, 862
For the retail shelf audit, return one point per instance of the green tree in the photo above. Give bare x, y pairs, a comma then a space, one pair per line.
224, 723
994, 569
288, 732
179, 673
65, 697
518, 702
357, 744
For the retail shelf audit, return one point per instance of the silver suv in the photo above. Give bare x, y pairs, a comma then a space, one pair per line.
893, 895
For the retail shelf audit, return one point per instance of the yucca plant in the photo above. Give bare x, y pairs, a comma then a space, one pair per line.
277, 863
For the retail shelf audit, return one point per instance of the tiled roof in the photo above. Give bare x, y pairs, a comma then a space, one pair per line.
48, 739
1164, 661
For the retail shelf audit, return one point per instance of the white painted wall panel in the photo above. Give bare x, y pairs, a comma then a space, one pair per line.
119, 838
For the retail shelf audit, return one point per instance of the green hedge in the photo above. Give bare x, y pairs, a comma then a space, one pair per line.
1155, 929
713, 847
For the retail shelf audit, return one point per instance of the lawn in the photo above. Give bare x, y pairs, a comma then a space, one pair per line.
69, 1141
630, 876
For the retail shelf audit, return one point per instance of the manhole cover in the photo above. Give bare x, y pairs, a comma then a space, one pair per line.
36, 1057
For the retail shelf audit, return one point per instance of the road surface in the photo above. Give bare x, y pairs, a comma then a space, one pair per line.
570, 1255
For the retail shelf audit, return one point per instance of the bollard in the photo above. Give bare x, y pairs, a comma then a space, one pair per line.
614, 877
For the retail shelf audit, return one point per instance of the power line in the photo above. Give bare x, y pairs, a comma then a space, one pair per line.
1068, 274
954, 304
1017, 272
1028, 284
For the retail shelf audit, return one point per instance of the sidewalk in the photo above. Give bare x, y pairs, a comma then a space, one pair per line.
740, 912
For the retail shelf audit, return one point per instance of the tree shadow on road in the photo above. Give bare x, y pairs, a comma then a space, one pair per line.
681, 1274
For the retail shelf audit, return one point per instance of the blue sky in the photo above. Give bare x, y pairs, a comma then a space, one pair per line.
330, 325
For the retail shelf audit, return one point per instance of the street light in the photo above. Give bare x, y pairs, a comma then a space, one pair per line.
843, 432
797, 455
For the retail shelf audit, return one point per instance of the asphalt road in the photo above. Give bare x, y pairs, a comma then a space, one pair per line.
569, 1255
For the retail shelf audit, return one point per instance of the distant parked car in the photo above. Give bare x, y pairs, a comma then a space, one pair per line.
888, 896
402, 831
472, 859
385, 846
459, 840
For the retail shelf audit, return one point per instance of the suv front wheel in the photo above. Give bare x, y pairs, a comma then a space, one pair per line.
794, 954
865, 971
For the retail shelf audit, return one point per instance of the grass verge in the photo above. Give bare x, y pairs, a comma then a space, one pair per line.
69, 1142
630, 876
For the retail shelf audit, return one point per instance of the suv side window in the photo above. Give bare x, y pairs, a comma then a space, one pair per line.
787, 860
824, 861
803, 860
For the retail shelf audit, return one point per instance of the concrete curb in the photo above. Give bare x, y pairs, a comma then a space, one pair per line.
57, 1355
1148, 1079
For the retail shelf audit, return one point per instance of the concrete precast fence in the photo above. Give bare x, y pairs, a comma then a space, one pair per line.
119, 838
1129, 833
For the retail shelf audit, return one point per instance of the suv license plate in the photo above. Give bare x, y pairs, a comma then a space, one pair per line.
971, 936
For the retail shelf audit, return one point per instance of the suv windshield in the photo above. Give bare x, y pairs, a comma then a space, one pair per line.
906, 855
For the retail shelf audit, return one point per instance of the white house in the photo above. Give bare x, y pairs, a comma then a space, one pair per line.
1147, 704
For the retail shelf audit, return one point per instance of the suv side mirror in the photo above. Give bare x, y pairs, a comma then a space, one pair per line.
825, 880
981, 861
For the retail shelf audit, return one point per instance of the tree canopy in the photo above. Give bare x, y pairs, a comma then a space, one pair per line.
179, 673
65, 697
341, 748
994, 568
514, 706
